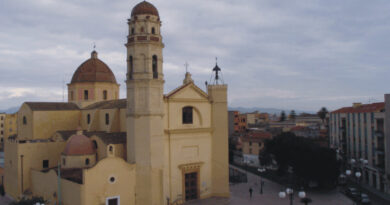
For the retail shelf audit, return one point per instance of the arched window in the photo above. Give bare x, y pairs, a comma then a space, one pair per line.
24, 120
131, 68
88, 118
87, 161
85, 94
187, 115
153, 30
104, 94
95, 144
154, 65
107, 119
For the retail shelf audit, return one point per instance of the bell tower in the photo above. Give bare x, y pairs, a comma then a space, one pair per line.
145, 110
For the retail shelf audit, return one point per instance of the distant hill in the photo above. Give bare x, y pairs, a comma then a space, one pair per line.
268, 110
10, 110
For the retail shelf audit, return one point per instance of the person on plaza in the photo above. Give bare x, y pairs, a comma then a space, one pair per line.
250, 192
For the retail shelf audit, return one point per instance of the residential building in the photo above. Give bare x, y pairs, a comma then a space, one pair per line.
360, 133
252, 144
2, 128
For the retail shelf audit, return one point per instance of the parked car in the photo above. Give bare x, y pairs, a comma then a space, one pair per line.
352, 192
364, 199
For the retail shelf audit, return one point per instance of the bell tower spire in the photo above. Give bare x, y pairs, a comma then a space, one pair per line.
145, 109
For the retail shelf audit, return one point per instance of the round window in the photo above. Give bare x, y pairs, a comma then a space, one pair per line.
112, 180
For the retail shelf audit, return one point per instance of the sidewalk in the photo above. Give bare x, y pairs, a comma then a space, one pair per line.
240, 195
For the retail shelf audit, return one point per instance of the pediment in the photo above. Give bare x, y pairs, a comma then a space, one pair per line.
188, 91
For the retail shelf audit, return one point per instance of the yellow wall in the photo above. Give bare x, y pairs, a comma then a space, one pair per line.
96, 96
46, 123
11, 169
71, 192
77, 161
98, 186
25, 131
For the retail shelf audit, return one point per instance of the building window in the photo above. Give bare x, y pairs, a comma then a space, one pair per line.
104, 94
131, 67
112, 179
88, 118
250, 151
153, 30
45, 164
95, 145
71, 95
154, 65
107, 119
132, 30
2, 132
1, 125
63, 161
250, 143
24, 120
142, 29
85, 94
187, 115
2, 118
87, 161
259, 144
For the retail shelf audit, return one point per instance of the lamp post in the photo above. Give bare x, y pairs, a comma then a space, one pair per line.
290, 193
261, 170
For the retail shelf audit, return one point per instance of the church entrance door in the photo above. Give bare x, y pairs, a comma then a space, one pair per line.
191, 185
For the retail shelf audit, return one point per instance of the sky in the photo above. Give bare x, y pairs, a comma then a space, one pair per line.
287, 54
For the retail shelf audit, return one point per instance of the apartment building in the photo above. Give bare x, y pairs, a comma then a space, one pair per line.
358, 133
2, 127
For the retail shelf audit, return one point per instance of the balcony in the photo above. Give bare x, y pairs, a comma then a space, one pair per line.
379, 134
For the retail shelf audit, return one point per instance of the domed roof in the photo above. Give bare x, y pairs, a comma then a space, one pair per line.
93, 70
79, 144
144, 8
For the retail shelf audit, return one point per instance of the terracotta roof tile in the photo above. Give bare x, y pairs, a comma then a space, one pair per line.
93, 70
110, 104
144, 8
41, 106
374, 107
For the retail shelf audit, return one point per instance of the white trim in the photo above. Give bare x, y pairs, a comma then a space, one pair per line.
113, 197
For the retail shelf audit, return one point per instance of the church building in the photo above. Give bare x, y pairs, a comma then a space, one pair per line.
150, 148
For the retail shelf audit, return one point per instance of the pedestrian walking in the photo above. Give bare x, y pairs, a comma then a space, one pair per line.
250, 192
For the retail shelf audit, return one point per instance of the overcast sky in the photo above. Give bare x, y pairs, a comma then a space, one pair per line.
289, 54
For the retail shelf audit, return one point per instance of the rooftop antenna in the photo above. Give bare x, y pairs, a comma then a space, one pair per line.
63, 89
186, 65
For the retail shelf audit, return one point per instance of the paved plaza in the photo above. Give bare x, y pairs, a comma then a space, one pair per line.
240, 195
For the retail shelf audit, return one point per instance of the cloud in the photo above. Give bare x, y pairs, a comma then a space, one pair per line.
298, 54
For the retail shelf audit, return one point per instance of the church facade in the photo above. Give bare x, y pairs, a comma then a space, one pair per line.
150, 148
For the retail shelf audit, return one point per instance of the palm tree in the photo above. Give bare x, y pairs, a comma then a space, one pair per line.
322, 114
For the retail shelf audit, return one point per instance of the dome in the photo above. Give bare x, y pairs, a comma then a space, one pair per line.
93, 70
144, 8
79, 145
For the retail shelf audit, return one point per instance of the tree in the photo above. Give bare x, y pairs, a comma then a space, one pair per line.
282, 116
292, 115
322, 113
309, 161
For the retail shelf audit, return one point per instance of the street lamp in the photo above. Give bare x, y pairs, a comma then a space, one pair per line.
290, 193
261, 170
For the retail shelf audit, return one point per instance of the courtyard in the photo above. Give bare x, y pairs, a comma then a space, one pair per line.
240, 195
